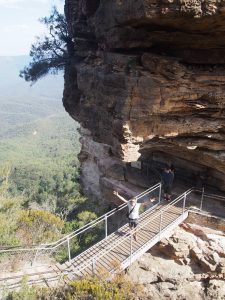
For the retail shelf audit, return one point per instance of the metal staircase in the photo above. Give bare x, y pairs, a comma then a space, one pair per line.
111, 252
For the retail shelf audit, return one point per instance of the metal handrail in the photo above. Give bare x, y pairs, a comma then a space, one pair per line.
142, 214
128, 234
218, 197
55, 245
74, 232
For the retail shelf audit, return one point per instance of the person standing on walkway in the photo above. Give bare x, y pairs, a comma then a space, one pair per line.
167, 182
133, 210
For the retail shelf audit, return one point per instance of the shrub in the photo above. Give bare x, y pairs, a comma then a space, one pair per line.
93, 288
38, 226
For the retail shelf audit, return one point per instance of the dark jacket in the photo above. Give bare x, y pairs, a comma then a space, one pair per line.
167, 177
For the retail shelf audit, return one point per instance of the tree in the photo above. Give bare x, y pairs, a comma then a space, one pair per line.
38, 226
9, 209
52, 52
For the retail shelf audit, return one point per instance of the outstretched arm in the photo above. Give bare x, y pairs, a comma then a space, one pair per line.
119, 196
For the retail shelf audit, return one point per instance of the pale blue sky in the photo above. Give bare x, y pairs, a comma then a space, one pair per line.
19, 23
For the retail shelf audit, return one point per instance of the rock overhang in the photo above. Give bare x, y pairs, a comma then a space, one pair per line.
151, 79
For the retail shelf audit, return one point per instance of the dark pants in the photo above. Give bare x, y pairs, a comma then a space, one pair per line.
133, 223
167, 188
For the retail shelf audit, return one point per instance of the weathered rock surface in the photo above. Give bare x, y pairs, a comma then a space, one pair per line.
184, 266
149, 85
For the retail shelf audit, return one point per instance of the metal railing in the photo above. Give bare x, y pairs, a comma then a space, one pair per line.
94, 262
66, 248
183, 203
178, 208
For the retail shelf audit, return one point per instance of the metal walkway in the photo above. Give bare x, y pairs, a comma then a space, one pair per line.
114, 252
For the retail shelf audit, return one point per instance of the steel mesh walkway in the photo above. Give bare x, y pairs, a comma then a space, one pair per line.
115, 251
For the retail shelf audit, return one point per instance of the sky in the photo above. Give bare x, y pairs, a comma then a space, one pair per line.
19, 24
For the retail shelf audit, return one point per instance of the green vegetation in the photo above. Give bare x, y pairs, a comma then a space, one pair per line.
9, 212
19, 226
40, 199
39, 146
119, 288
44, 166
38, 226
50, 138
44, 171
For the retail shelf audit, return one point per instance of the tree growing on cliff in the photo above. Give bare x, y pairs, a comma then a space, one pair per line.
52, 52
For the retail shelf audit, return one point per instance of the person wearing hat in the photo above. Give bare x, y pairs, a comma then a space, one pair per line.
133, 210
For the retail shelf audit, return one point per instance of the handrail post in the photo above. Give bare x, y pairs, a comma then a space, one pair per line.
35, 256
160, 224
106, 226
203, 191
160, 191
68, 247
185, 196
93, 266
131, 247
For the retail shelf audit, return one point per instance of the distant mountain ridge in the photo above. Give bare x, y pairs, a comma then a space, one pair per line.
10, 66
21, 103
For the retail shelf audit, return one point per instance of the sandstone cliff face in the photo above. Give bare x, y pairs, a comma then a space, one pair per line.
149, 85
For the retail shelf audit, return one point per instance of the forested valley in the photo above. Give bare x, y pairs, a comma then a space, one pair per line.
40, 198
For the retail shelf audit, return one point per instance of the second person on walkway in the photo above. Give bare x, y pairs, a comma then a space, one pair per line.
167, 182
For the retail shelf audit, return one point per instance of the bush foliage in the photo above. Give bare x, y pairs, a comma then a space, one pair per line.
93, 288
38, 226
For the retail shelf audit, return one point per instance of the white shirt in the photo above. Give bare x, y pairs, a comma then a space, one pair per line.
135, 212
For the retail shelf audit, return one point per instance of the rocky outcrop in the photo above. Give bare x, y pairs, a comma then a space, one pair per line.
149, 85
188, 265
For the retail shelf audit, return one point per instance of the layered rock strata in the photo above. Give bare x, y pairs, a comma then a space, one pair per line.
148, 84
